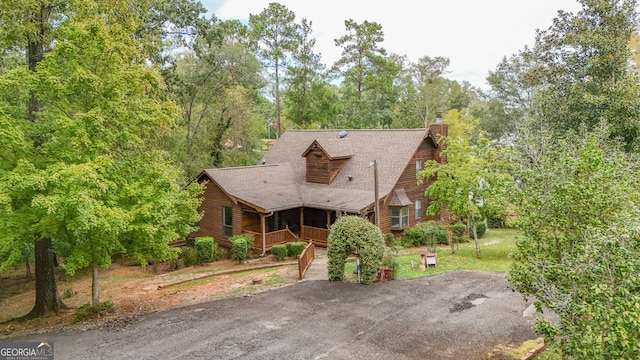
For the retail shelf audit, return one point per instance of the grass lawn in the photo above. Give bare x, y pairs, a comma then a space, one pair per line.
495, 247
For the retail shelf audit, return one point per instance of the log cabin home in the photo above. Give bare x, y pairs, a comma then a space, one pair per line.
311, 177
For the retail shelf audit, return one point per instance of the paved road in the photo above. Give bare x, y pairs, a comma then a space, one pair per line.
458, 315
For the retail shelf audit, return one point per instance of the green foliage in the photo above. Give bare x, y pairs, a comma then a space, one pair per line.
279, 251
481, 229
458, 229
474, 181
190, 256
240, 245
593, 82
415, 236
494, 222
87, 311
579, 256
295, 248
347, 233
206, 248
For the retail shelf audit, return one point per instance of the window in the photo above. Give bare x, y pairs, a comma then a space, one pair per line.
399, 217
418, 213
418, 167
227, 221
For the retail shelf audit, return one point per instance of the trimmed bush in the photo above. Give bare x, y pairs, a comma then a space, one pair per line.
279, 251
295, 248
240, 245
481, 229
415, 236
189, 256
347, 233
206, 249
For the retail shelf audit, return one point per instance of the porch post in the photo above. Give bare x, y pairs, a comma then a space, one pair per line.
263, 226
328, 218
302, 223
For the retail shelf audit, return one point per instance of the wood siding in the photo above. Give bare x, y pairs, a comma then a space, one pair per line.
320, 169
211, 208
409, 183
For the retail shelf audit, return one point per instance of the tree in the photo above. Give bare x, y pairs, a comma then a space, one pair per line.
365, 70
201, 82
582, 65
510, 100
472, 183
577, 199
276, 33
91, 173
306, 98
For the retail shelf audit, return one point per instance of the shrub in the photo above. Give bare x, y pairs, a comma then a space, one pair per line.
458, 230
495, 223
240, 245
415, 236
279, 251
295, 248
389, 240
87, 311
347, 233
190, 256
206, 249
481, 229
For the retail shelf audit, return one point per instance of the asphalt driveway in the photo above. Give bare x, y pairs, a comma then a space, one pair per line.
457, 315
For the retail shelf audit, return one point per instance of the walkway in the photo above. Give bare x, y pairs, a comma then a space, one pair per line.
318, 269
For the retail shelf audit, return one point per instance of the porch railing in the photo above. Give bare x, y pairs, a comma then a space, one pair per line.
317, 236
272, 238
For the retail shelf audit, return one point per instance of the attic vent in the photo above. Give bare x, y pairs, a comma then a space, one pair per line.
342, 134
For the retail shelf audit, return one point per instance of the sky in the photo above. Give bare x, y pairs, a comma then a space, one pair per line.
475, 35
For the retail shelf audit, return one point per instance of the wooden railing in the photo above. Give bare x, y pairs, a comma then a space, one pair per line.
317, 236
272, 238
305, 259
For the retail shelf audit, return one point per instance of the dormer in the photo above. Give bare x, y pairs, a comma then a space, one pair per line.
325, 159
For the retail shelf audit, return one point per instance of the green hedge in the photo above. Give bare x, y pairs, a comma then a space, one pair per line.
295, 248
206, 248
279, 251
189, 256
422, 235
347, 233
240, 245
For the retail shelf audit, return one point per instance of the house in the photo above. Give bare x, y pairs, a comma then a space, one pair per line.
311, 177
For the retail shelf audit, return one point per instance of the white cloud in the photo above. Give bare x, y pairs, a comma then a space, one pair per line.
474, 35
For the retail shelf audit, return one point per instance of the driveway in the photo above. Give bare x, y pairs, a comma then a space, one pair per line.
457, 315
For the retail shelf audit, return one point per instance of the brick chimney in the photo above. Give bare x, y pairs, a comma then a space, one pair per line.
439, 131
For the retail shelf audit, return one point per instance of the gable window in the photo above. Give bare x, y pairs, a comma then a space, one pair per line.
418, 209
227, 221
399, 217
418, 167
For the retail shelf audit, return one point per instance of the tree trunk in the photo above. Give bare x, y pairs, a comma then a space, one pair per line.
474, 226
95, 300
47, 299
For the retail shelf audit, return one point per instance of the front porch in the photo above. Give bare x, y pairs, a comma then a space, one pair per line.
281, 227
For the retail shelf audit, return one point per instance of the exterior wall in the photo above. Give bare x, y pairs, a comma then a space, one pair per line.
409, 182
320, 169
211, 223
318, 165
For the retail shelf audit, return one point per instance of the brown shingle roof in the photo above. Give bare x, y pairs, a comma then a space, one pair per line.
281, 182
